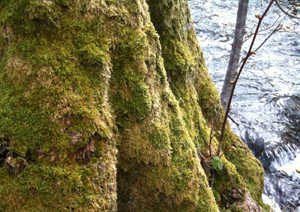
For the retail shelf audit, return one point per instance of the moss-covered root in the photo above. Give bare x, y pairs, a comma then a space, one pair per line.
58, 145
158, 167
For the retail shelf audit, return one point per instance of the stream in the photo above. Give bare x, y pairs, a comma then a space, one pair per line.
266, 103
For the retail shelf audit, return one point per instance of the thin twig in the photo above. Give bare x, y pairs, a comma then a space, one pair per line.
265, 29
210, 138
286, 81
233, 120
212, 177
288, 14
279, 26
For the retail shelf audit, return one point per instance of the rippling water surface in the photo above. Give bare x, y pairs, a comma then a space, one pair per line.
266, 103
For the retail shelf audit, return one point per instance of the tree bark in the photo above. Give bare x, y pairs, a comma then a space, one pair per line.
235, 52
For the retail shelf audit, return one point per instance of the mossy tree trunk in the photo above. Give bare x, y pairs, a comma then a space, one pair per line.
99, 106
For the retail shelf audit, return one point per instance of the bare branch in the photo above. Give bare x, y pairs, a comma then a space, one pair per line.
280, 79
233, 120
265, 29
279, 26
288, 14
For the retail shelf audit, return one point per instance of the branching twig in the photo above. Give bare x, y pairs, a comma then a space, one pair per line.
227, 150
288, 14
279, 78
279, 26
206, 17
248, 36
238, 75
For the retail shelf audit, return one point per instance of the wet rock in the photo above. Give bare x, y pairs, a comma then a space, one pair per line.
285, 190
256, 144
295, 43
276, 156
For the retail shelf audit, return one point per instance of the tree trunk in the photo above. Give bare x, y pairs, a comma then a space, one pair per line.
235, 52
99, 108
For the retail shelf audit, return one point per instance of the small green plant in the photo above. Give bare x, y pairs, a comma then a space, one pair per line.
217, 163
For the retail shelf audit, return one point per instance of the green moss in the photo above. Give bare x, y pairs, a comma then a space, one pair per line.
233, 208
54, 84
79, 77
60, 188
244, 166
193, 87
159, 136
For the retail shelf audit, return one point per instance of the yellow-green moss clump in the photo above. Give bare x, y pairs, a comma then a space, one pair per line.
99, 105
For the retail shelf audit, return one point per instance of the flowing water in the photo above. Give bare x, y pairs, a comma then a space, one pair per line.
266, 103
